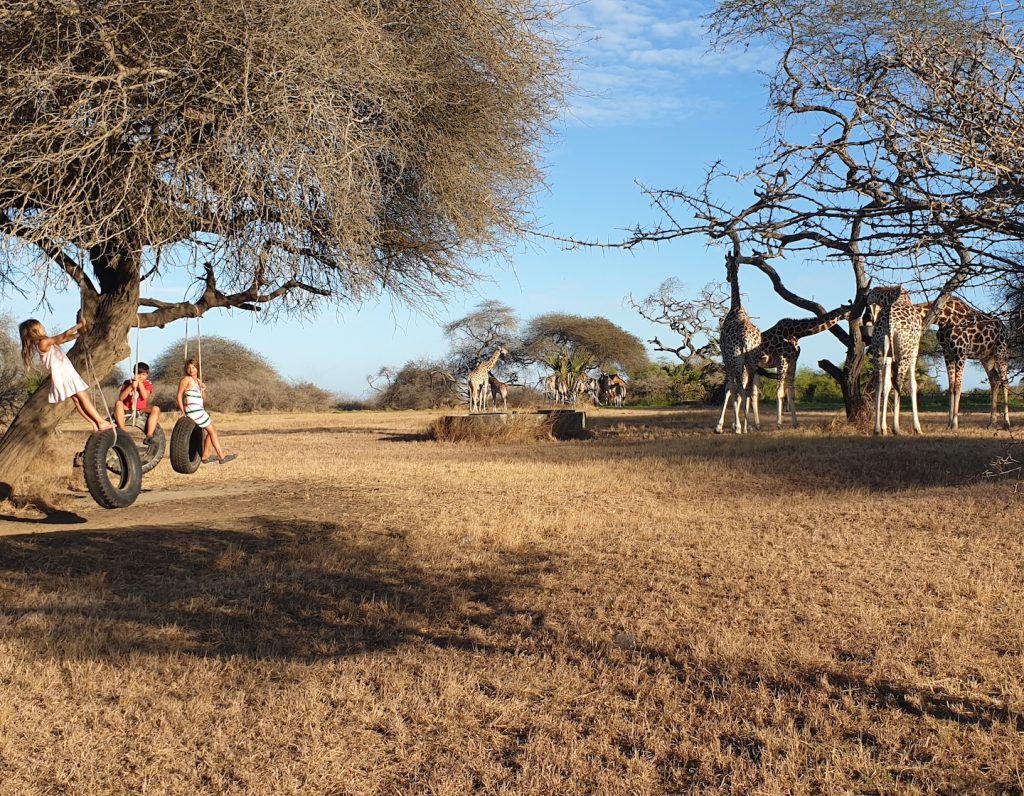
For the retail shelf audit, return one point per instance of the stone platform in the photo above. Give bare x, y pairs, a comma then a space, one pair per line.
565, 423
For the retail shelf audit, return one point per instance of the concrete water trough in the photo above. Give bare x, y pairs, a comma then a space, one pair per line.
565, 423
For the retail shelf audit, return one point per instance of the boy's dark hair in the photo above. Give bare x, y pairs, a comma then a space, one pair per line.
141, 367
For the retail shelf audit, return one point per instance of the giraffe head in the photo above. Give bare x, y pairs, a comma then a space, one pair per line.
883, 296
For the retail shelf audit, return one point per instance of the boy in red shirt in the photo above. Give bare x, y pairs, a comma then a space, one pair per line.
135, 394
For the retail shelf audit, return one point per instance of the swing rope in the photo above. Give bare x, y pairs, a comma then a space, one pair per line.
135, 367
92, 372
199, 345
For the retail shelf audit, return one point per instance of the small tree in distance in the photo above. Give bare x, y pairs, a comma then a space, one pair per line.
572, 345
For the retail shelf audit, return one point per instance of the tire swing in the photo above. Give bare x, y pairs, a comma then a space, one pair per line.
186, 451
104, 445
101, 449
152, 452
149, 454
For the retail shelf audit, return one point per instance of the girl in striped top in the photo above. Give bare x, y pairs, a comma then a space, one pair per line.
191, 395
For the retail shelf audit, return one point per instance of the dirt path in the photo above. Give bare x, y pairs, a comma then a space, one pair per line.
186, 507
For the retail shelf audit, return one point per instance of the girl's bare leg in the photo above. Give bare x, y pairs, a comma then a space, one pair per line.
212, 440
88, 411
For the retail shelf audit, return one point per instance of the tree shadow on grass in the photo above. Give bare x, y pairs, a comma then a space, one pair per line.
855, 705
294, 590
781, 462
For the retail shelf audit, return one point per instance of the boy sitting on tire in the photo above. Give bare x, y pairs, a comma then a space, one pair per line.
135, 393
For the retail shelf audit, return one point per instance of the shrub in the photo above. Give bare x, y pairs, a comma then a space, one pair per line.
237, 380
421, 384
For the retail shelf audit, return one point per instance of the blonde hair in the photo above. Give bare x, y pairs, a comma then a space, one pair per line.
31, 332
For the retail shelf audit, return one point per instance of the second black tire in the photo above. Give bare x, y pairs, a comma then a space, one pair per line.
110, 494
186, 450
151, 454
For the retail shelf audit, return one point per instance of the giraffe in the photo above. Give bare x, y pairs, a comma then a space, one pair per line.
967, 333
739, 336
894, 346
477, 380
498, 390
780, 348
550, 385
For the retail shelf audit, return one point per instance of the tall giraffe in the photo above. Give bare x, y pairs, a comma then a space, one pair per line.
477, 380
967, 333
894, 345
739, 336
780, 348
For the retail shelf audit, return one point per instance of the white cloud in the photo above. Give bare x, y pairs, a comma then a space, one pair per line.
645, 59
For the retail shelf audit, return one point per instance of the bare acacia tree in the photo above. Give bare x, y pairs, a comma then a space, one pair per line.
897, 151
305, 151
473, 337
695, 321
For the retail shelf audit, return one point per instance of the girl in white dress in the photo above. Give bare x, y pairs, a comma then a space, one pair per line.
64, 379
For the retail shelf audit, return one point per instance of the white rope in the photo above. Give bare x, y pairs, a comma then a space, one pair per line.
135, 367
199, 343
99, 389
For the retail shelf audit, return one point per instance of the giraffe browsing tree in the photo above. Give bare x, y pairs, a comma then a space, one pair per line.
739, 338
894, 348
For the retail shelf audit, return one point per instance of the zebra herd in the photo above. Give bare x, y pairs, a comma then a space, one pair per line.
606, 389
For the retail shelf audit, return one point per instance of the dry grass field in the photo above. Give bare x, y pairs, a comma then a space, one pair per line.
351, 608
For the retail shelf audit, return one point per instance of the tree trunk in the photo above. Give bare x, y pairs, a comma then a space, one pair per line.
849, 376
110, 316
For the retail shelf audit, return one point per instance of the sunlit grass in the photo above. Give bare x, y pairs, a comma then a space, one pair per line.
351, 608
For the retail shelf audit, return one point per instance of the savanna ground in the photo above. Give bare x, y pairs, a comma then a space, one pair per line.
352, 609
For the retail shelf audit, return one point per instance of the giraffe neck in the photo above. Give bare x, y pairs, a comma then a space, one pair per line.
734, 285
820, 324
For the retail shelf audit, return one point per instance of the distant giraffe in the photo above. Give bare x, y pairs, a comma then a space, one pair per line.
477, 380
780, 348
550, 385
498, 390
894, 346
739, 336
967, 333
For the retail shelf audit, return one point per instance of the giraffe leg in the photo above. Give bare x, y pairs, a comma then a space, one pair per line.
754, 401
1004, 381
914, 414
955, 371
884, 368
738, 398
897, 399
791, 392
725, 407
954, 379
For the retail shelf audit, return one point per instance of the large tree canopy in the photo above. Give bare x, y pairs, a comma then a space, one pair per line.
346, 147
303, 150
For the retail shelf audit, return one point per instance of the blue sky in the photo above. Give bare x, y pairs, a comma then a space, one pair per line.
654, 106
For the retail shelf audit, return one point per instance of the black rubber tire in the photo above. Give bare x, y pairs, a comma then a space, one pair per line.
107, 493
150, 455
186, 451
